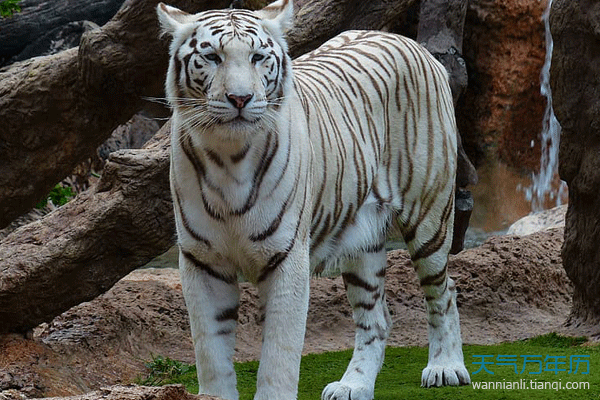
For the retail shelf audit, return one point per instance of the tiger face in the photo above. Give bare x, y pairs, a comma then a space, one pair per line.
228, 69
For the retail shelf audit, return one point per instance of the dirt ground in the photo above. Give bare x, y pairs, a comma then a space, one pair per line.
509, 288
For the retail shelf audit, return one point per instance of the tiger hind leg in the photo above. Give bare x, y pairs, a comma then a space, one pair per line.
364, 279
429, 253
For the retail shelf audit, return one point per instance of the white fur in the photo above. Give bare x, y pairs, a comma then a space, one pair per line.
354, 139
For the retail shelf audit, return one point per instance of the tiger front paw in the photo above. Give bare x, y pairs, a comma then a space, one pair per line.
347, 391
437, 375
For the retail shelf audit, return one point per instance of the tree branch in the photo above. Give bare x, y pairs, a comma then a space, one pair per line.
79, 251
56, 110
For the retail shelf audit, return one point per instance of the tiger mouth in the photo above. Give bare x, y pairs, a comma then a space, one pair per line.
240, 121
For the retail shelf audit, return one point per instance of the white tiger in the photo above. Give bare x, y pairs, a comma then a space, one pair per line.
279, 169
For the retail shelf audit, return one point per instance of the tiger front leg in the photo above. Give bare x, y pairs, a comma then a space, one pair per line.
364, 280
212, 301
284, 296
446, 363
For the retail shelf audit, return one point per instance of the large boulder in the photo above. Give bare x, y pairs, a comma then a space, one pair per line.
575, 27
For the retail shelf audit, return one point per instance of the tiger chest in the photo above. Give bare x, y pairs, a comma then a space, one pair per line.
238, 228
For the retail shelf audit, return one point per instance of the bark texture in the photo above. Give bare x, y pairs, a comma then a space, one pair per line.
440, 30
80, 250
575, 86
57, 109
38, 17
316, 21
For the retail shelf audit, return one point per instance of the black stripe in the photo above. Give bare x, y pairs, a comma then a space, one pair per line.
186, 222
435, 280
229, 314
209, 209
236, 158
214, 157
266, 160
374, 338
280, 257
354, 280
186, 62
187, 148
437, 241
206, 268
374, 248
363, 305
363, 326
272, 228
272, 264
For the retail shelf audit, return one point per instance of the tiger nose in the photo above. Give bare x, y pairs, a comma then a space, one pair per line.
239, 101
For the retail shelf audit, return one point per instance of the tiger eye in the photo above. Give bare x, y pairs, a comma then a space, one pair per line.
213, 57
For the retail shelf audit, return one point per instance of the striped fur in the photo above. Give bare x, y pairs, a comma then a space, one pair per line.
280, 169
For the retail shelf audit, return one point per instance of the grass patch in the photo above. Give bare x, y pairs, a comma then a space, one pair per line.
400, 375
163, 371
59, 195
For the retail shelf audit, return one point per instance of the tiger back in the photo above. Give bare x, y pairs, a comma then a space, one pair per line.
381, 106
280, 169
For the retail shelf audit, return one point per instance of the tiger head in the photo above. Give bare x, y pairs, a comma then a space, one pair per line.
229, 69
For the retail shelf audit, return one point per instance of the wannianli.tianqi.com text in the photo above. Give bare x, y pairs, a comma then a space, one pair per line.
531, 384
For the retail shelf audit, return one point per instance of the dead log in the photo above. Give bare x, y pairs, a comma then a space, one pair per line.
57, 109
80, 250
38, 17
316, 21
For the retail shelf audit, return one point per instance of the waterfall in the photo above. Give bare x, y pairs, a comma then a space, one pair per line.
542, 188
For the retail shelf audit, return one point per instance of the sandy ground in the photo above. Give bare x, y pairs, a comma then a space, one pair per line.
509, 288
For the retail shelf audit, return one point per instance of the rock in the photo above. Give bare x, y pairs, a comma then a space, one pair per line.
547, 219
576, 97
502, 110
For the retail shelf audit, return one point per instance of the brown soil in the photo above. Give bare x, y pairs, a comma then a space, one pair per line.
509, 288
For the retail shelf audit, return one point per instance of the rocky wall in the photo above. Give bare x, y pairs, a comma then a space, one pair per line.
575, 27
502, 109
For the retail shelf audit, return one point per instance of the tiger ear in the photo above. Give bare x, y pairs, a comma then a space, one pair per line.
278, 16
171, 18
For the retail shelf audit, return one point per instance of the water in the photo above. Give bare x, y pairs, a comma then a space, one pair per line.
546, 188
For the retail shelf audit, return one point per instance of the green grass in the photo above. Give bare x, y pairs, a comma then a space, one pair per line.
9, 7
60, 195
401, 373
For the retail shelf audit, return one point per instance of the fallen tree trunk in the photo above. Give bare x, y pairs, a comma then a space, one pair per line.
38, 17
56, 110
317, 21
80, 250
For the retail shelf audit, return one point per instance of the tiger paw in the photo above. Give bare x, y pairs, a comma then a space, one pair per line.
347, 391
437, 375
